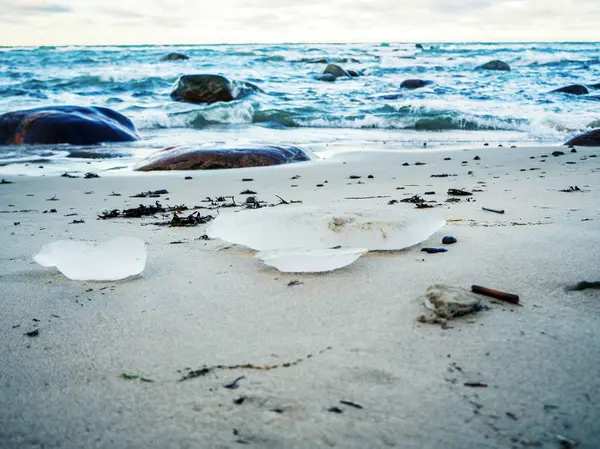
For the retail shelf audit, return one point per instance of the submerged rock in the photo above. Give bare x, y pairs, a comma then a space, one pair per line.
210, 89
415, 84
335, 70
573, 89
221, 157
495, 65
175, 57
419, 46
65, 124
326, 77
586, 139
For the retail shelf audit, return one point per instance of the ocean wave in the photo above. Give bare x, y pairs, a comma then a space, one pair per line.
384, 117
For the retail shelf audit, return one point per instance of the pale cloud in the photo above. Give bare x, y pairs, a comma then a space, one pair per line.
68, 22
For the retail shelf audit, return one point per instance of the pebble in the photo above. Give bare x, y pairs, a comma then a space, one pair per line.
476, 158
573, 150
449, 240
434, 250
406, 164
250, 200
558, 153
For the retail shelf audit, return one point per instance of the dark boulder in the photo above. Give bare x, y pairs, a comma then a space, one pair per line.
587, 139
414, 84
210, 89
495, 65
335, 70
573, 89
221, 157
65, 124
595, 86
353, 73
175, 57
419, 46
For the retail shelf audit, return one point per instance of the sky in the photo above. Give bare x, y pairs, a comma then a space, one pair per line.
135, 22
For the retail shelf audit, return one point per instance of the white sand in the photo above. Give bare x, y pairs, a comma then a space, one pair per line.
208, 303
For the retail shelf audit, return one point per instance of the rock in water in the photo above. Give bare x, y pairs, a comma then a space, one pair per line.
495, 65
310, 260
210, 89
306, 227
175, 57
573, 89
65, 124
81, 261
586, 139
335, 70
414, 84
221, 157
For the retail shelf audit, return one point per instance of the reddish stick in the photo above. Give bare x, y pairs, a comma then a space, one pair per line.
508, 297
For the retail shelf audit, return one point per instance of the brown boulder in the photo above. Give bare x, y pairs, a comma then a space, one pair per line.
221, 157
587, 139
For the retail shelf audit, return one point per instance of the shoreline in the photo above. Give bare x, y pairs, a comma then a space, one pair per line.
202, 303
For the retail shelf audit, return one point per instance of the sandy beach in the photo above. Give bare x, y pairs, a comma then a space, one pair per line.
504, 377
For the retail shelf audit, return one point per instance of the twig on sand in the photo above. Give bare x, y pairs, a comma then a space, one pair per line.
503, 296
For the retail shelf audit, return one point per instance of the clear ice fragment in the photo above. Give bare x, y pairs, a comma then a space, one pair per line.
81, 261
310, 260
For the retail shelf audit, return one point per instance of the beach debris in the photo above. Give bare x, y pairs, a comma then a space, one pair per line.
352, 404
91, 175
33, 333
113, 260
558, 153
449, 240
294, 283
572, 189
150, 193
443, 175
444, 302
247, 179
4, 181
310, 260
503, 296
127, 376
194, 219
429, 192
584, 285
434, 250
234, 385
415, 199
204, 371
335, 410
248, 192
140, 211
68, 175
475, 385
489, 209
459, 192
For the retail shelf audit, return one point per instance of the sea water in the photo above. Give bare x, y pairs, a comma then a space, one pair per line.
463, 107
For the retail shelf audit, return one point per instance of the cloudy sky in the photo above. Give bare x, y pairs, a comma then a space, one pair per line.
72, 22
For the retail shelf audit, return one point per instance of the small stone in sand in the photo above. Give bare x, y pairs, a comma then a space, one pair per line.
406, 164
449, 240
447, 159
573, 150
476, 158
558, 153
